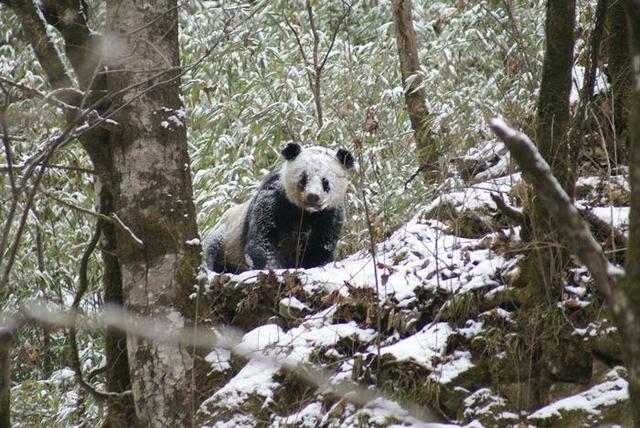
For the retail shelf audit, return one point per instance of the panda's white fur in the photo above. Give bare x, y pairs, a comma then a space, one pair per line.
293, 220
318, 163
227, 234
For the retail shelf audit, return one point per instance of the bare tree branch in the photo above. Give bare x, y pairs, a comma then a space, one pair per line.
315, 67
80, 209
568, 221
335, 34
586, 96
83, 285
35, 29
127, 230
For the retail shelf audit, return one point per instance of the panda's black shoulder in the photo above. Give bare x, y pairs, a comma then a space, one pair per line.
270, 192
271, 181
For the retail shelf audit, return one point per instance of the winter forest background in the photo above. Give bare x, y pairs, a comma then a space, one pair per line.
470, 288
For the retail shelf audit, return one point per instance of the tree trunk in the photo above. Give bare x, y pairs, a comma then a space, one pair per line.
5, 379
153, 200
619, 66
415, 99
632, 268
121, 410
543, 264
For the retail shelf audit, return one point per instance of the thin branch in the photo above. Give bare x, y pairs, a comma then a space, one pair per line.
589, 80
298, 41
34, 26
6, 141
13, 249
335, 34
14, 193
98, 215
83, 285
139, 242
314, 32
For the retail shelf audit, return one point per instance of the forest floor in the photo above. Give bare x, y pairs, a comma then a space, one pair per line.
430, 328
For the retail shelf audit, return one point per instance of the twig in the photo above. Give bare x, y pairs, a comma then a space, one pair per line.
6, 168
98, 215
335, 34
315, 77
46, 155
414, 175
139, 242
517, 216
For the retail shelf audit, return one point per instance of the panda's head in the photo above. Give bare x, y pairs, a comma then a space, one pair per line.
315, 178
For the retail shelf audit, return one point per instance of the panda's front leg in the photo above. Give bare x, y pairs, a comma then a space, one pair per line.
260, 254
324, 239
260, 250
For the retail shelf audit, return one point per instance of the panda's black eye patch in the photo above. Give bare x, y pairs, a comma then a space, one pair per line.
302, 182
325, 185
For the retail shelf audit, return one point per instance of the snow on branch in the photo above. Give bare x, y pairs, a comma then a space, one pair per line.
570, 224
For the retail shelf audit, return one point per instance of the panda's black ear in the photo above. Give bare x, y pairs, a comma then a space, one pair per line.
345, 157
290, 151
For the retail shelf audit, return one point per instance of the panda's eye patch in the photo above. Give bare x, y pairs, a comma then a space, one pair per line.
325, 185
302, 182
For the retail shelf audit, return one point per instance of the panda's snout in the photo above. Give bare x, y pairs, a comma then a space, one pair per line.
312, 199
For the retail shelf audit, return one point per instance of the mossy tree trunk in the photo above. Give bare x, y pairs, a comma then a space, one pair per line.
415, 96
543, 264
545, 261
153, 197
150, 260
632, 267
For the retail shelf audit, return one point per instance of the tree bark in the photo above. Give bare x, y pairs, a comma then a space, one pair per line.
632, 278
544, 263
5, 379
153, 200
144, 178
414, 95
619, 66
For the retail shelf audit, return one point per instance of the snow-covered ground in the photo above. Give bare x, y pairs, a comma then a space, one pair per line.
406, 318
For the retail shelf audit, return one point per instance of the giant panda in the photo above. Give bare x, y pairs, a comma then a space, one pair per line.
292, 221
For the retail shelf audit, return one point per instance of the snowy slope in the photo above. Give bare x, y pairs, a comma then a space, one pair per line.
427, 319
